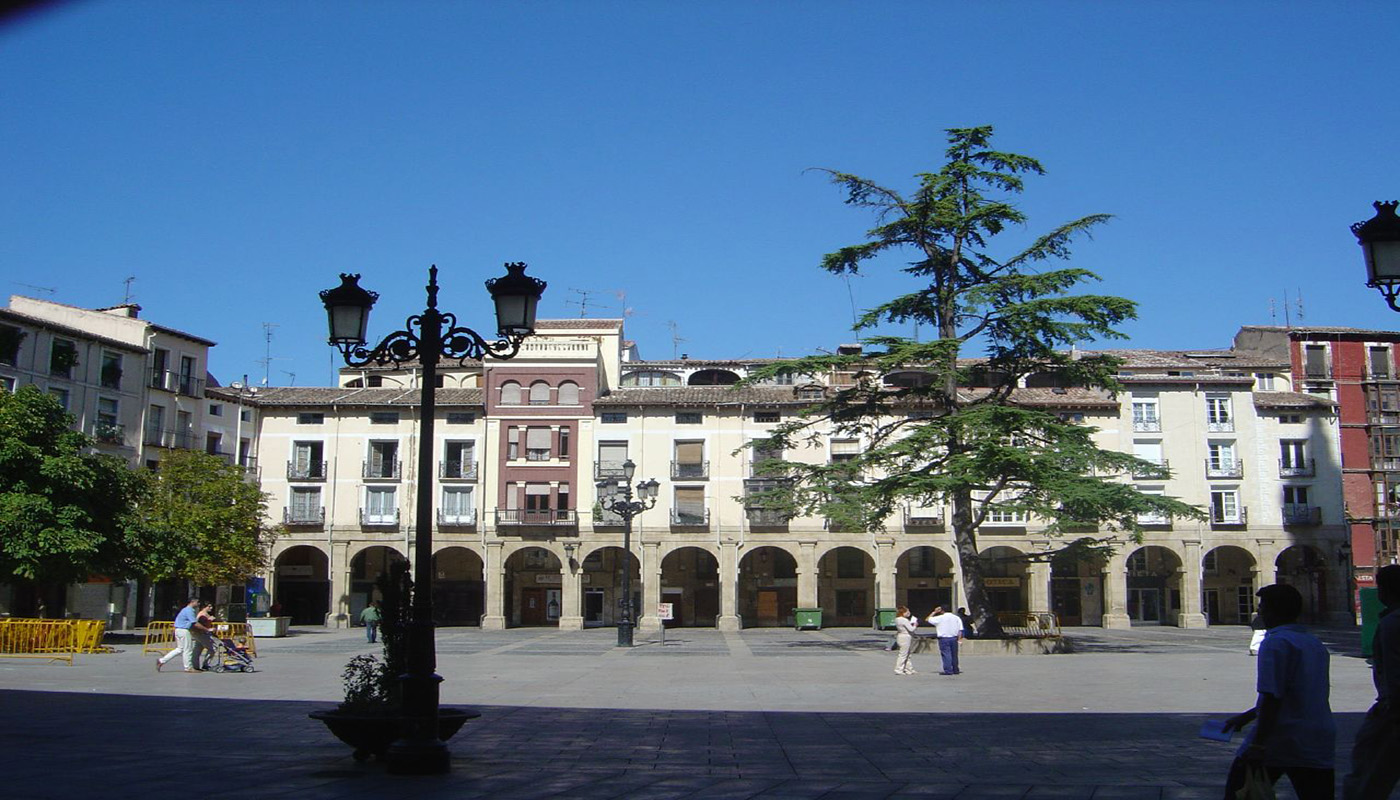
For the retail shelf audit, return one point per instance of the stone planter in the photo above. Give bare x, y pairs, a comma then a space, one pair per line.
371, 734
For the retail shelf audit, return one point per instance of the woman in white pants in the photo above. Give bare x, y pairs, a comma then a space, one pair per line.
904, 625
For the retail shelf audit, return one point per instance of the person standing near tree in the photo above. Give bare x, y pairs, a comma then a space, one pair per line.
1295, 734
949, 628
904, 625
1375, 758
370, 617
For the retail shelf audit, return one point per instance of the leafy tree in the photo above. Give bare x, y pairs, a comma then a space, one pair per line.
205, 520
973, 443
65, 511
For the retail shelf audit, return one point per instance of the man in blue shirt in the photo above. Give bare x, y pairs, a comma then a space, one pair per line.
184, 642
1375, 759
1295, 735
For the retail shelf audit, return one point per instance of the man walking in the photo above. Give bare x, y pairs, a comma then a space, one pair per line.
1375, 759
184, 642
1295, 734
370, 617
949, 628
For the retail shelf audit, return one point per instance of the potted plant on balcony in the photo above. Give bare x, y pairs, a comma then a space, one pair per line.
371, 716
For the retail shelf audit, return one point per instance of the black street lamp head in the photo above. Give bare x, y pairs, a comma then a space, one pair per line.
347, 311
1379, 238
628, 470
647, 489
516, 296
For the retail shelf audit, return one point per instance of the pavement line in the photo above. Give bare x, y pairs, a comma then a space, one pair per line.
737, 646
506, 648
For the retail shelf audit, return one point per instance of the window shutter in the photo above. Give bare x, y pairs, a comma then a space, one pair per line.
690, 452
537, 438
612, 454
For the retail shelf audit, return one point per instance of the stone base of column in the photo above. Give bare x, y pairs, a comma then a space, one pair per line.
650, 624
493, 623
728, 623
571, 623
1117, 621
1192, 621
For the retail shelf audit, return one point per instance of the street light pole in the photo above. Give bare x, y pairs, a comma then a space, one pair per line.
619, 501
427, 338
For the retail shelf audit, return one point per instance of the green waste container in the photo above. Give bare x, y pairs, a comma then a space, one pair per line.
1370, 615
808, 618
884, 619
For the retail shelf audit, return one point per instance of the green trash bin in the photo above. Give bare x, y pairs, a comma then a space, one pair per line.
884, 619
807, 618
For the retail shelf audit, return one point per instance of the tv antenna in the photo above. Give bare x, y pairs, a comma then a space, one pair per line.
675, 339
128, 296
268, 358
582, 302
44, 289
291, 375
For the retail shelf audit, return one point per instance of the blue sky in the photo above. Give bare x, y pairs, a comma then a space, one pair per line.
234, 157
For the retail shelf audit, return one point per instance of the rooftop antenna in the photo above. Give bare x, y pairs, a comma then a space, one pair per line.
268, 358
582, 303
291, 375
44, 289
1300, 305
1273, 312
126, 300
1287, 321
852, 295
675, 339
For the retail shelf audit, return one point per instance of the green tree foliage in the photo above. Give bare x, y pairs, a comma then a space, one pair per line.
940, 427
64, 510
205, 520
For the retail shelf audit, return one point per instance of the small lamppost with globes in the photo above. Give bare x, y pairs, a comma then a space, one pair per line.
617, 497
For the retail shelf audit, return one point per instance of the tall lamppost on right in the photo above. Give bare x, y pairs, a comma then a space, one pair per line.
617, 497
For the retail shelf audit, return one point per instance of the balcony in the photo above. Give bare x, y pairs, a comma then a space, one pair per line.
1154, 521
457, 470
538, 454
456, 519
923, 520
1147, 426
509, 517
1154, 469
169, 381
606, 519
1216, 468
1225, 518
379, 519
304, 517
766, 518
690, 518
607, 471
1297, 468
158, 437
690, 470
309, 471
383, 471
109, 433
1302, 516
1220, 426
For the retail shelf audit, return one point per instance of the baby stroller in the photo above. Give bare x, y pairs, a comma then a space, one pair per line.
229, 656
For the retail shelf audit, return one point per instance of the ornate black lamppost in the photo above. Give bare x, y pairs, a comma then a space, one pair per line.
1379, 237
616, 496
428, 338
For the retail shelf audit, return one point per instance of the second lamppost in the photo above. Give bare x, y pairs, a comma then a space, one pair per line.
617, 497
428, 338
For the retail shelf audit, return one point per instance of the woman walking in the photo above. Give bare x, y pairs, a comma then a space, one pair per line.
904, 624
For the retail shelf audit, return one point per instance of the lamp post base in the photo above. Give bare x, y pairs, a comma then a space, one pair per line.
418, 757
624, 634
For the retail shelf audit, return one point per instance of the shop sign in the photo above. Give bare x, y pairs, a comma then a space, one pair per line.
549, 578
1002, 583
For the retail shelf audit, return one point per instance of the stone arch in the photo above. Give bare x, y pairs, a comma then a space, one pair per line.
690, 583
1153, 585
600, 582
301, 584
846, 586
366, 565
1006, 578
767, 588
1229, 579
1076, 587
1304, 567
459, 586
924, 577
712, 377
533, 586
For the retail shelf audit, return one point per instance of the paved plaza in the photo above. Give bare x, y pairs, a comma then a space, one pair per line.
758, 714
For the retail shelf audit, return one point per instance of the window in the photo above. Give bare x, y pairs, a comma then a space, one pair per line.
216, 410
184, 430
374, 381
61, 395
1219, 415
63, 356
611, 457
1152, 517
1378, 357
457, 505
763, 454
568, 393
850, 563
160, 365
690, 506
308, 461
537, 444
563, 442
1210, 564
111, 374
843, 450
1220, 459
811, 393
1137, 562
1290, 419
689, 461
305, 505
537, 503
310, 418
510, 394
539, 393
1225, 506
1315, 361
1244, 602
383, 460
459, 460
767, 416
512, 443
107, 412
561, 497
460, 418
1001, 516
651, 378
920, 563
1145, 416
1295, 495
10, 338
245, 415
614, 417
689, 417
1149, 450
381, 506
189, 384
1293, 457
1264, 381
383, 417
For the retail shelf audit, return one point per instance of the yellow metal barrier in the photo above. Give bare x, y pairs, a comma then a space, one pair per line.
54, 639
88, 635
160, 636
1029, 624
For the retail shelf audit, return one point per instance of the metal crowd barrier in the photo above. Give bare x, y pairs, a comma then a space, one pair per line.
160, 636
1029, 624
54, 639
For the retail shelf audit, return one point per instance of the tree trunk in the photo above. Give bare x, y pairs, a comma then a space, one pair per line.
984, 620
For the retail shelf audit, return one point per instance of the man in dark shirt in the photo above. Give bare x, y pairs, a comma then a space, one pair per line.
1375, 758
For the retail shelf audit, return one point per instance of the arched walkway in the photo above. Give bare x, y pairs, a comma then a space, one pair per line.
534, 595
846, 587
302, 585
459, 593
365, 568
1229, 579
924, 579
690, 583
1154, 585
1006, 578
1304, 568
767, 588
600, 577
1076, 589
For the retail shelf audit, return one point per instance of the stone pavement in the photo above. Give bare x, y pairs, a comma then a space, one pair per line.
761, 714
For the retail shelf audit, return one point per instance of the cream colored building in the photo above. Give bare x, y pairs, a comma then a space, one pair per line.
519, 538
